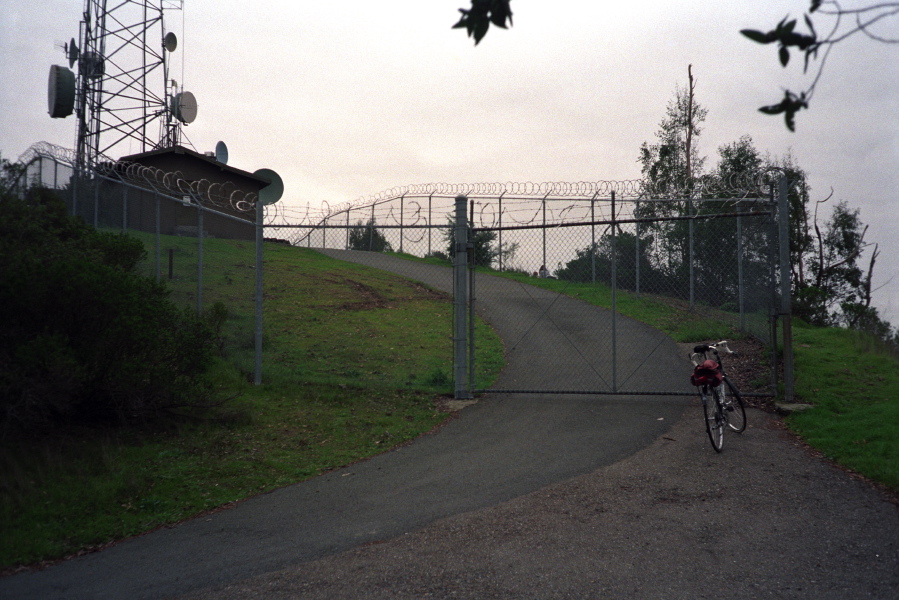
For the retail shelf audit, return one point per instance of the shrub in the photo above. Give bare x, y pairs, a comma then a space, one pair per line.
85, 337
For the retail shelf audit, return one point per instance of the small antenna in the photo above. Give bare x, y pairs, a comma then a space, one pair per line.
72, 52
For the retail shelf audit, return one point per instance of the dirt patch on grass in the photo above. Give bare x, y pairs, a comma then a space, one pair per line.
371, 298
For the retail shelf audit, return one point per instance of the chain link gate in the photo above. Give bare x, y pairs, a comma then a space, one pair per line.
690, 257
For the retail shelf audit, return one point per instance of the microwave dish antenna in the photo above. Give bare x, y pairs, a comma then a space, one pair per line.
184, 107
171, 41
122, 98
221, 153
274, 190
61, 92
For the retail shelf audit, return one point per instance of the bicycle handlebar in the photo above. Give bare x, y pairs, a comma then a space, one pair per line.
719, 347
699, 352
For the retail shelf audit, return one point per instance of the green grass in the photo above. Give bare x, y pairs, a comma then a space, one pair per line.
669, 315
343, 380
854, 388
355, 362
82, 491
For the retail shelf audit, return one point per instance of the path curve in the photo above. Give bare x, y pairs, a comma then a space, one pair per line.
501, 448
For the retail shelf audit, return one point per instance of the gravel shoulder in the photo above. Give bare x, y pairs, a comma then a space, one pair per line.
763, 519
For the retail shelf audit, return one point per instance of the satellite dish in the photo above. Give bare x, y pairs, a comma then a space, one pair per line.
171, 41
221, 153
274, 190
61, 92
184, 107
72, 53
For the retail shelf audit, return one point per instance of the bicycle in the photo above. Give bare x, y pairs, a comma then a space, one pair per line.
720, 409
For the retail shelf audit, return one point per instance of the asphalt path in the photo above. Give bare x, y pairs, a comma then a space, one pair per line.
503, 447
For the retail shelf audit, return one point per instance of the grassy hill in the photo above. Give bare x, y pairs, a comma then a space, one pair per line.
342, 381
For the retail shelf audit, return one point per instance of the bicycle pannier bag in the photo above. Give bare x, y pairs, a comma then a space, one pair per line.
707, 373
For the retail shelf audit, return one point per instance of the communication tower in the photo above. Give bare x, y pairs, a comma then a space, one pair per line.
123, 97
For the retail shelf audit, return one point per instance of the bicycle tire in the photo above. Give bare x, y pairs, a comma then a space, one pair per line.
736, 409
714, 419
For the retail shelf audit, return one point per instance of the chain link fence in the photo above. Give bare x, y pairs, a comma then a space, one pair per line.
207, 257
641, 254
672, 263
656, 257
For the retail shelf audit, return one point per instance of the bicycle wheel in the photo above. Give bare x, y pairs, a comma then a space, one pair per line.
736, 410
714, 419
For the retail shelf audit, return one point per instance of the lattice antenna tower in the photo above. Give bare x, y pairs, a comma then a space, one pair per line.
123, 97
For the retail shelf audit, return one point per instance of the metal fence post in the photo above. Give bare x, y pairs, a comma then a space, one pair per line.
783, 213
740, 288
692, 281
543, 229
402, 210
430, 222
471, 298
500, 232
75, 180
158, 243
96, 207
614, 303
637, 250
460, 299
257, 335
593, 237
199, 257
772, 277
371, 228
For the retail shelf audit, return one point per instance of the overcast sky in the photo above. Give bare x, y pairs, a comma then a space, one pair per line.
346, 99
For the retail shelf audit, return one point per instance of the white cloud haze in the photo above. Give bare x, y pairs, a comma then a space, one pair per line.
345, 99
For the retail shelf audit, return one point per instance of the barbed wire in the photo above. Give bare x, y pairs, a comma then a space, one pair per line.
48, 150
509, 203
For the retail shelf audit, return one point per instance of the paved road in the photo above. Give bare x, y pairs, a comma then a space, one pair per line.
675, 521
499, 449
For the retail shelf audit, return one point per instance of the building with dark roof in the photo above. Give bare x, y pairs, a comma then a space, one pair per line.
226, 192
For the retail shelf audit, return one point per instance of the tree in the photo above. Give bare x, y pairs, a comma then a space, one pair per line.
671, 169
482, 13
673, 164
486, 251
831, 276
367, 237
786, 37
10, 174
596, 265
